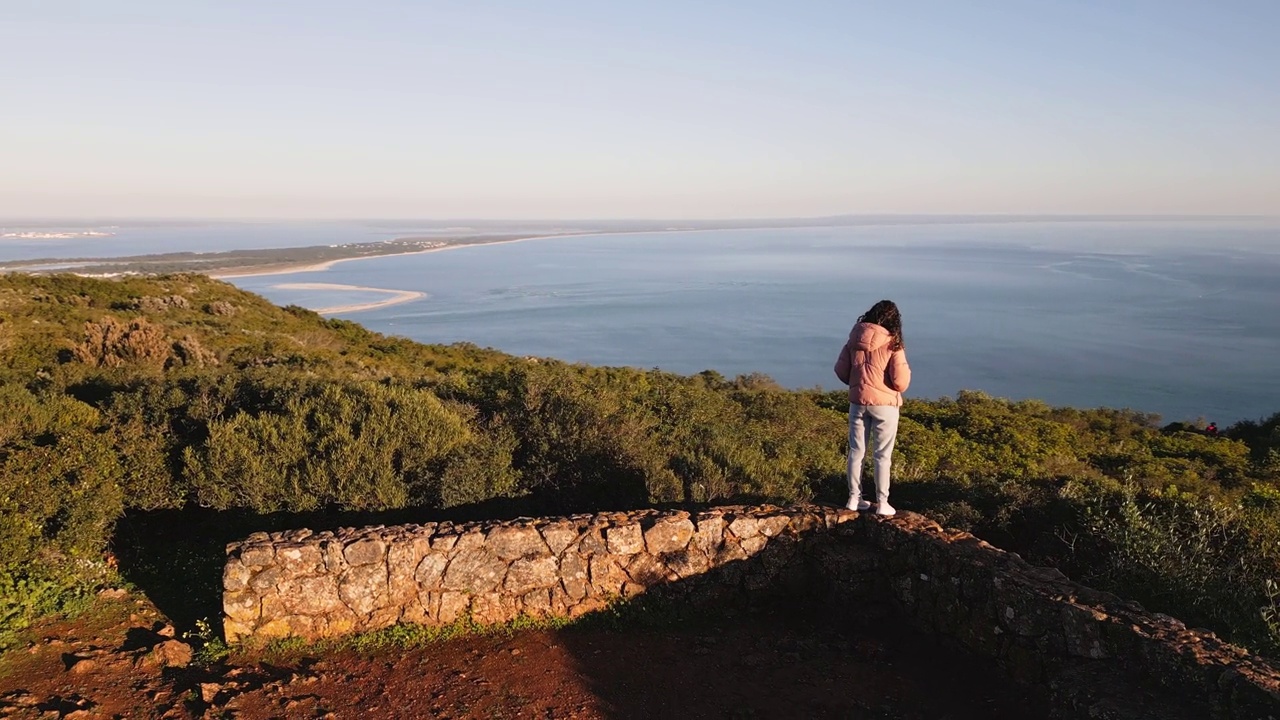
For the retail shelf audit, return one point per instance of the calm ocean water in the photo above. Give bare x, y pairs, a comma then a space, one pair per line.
1179, 318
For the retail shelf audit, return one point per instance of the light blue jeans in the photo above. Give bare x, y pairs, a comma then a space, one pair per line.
867, 424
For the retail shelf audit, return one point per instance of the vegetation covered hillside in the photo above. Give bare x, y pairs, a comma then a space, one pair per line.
150, 412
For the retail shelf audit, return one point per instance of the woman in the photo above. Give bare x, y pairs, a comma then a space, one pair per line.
873, 364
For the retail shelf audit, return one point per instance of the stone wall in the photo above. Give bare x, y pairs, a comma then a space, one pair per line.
1101, 656
326, 584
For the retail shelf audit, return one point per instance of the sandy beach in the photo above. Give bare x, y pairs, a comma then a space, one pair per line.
397, 296
281, 269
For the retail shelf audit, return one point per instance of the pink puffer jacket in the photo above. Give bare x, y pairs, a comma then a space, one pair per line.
875, 374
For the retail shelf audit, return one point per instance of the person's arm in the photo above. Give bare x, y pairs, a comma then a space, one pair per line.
899, 375
842, 364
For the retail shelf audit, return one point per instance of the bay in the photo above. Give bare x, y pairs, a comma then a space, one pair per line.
1177, 318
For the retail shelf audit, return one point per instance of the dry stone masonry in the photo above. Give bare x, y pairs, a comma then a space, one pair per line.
1082, 644
326, 584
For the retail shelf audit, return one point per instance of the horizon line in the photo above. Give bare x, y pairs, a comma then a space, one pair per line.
1065, 217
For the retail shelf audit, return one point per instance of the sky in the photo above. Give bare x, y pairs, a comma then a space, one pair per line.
655, 109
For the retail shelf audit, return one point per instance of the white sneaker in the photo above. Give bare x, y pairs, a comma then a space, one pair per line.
860, 505
884, 509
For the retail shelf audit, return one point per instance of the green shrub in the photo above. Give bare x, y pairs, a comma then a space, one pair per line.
60, 496
1208, 562
61, 490
353, 445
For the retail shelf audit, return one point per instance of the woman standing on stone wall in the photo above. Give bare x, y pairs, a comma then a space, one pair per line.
873, 363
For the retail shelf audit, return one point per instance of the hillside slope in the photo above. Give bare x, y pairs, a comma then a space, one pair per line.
170, 396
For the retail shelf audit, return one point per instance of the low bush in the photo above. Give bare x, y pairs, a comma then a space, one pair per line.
1211, 563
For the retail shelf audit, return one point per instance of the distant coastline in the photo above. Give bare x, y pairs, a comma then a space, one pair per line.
254, 262
317, 258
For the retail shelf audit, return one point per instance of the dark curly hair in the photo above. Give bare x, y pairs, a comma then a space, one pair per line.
886, 315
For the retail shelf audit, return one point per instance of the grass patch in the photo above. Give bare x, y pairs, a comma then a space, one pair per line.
26, 600
89, 613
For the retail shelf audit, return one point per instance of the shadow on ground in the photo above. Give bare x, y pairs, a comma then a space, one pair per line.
792, 660
785, 659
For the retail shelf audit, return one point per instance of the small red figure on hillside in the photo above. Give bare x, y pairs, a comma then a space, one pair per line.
1212, 429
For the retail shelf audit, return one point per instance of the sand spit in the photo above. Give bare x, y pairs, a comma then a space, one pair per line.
287, 269
292, 268
396, 296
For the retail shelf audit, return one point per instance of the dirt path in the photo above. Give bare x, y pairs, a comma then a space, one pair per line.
764, 665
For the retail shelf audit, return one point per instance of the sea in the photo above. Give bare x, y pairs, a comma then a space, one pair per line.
1179, 318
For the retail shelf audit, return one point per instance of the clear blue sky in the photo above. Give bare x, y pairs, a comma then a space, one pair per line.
549, 109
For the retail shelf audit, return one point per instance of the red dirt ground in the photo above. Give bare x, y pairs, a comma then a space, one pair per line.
768, 664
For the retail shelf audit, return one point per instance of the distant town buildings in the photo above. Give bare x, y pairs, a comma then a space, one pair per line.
55, 235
